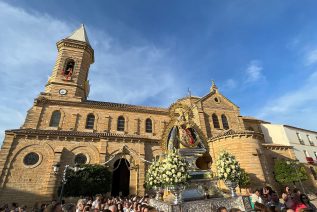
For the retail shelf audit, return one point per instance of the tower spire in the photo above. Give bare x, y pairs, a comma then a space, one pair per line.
80, 35
69, 79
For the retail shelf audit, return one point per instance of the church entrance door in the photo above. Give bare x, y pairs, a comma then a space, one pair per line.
120, 178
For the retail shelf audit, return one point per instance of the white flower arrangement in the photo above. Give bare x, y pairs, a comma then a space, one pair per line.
228, 168
170, 171
153, 175
174, 169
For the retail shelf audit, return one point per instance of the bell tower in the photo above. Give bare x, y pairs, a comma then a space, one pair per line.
69, 80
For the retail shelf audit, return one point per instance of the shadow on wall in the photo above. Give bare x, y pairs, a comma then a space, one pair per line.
255, 183
31, 196
268, 139
208, 127
8, 196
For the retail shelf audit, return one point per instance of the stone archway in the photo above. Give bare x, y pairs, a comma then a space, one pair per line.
120, 178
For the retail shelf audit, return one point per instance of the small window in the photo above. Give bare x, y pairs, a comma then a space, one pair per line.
31, 159
308, 137
90, 121
80, 159
120, 126
215, 121
306, 154
224, 122
148, 125
55, 118
315, 153
216, 100
310, 141
300, 138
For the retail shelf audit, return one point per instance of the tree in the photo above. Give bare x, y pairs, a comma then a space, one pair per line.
286, 172
244, 180
92, 180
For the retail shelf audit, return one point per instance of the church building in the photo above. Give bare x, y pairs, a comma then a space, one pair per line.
63, 128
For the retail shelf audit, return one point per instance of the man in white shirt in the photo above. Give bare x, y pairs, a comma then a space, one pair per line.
256, 197
96, 203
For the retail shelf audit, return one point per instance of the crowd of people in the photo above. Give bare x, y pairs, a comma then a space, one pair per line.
98, 204
267, 200
118, 204
262, 200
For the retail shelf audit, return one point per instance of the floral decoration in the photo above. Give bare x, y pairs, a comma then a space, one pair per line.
228, 168
174, 169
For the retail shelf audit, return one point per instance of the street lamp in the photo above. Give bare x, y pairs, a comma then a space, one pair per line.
296, 163
56, 168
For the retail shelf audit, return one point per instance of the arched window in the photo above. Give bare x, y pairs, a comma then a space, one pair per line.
68, 68
148, 125
120, 126
55, 118
224, 122
90, 121
215, 121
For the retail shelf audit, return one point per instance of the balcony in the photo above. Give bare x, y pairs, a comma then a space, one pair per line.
310, 160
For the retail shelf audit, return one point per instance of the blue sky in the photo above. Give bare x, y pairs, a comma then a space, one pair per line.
262, 54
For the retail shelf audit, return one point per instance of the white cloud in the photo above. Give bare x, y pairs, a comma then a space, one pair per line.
311, 57
229, 84
27, 56
133, 75
297, 107
130, 74
254, 71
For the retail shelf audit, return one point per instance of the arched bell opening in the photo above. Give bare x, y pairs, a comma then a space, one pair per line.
68, 69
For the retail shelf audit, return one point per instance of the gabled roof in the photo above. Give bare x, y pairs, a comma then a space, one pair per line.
80, 35
212, 93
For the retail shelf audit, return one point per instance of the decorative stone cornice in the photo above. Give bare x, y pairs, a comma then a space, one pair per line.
104, 105
234, 133
76, 44
276, 146
77, 134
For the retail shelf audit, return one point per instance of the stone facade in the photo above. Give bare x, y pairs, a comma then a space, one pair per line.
59, 126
